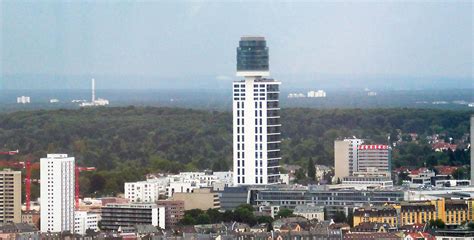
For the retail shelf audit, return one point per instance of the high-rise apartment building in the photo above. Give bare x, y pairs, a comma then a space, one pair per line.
10, 196
345, 157
256, 116
57, 193
472, 152
374, 158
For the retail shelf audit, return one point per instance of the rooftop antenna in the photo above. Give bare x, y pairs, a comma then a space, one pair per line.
93, 90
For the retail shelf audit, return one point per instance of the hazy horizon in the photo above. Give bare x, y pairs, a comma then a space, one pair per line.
161, 45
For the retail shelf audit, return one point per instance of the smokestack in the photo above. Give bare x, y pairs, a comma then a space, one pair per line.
93, 90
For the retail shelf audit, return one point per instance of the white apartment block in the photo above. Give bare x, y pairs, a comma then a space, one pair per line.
146, 191
256, 117
165, 186
84, 220
57, 193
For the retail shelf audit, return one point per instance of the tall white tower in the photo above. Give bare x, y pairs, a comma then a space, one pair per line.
57, 193
256, 116
93, 90
472, 152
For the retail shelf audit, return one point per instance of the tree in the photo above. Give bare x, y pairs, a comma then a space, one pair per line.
436, 224
340, 217
284, 213
311, 170
203, 219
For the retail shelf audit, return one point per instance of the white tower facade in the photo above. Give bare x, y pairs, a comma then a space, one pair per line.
57, 193
256, 117
93, 90
472, 152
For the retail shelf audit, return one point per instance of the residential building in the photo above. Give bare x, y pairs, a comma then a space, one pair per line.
374, 158
317, 94
203, 198
472, 151
345, 157
85, 220
310, 212
57, 193
31, 217
145, 191
256, 116
174, 212
115, 216
10, 196
376, 214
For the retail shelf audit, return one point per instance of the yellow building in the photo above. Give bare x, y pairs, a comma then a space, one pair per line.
384, 214
419, 212
201, 198
451, 212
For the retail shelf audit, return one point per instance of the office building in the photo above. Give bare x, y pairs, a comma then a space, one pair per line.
345, 157
256, 116
10, 196
174, 212
85, 220
202, 198
57, 193
115, 216
374, 158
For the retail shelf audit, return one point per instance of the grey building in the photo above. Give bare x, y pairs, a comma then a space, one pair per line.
115, 216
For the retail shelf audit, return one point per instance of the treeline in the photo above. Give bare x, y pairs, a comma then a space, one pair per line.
127, 142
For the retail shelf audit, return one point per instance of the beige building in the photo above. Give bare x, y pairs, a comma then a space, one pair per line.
341, 159
202, 198
10, 196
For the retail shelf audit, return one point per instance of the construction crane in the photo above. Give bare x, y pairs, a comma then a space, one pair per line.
10, 153
28, 167
78, 171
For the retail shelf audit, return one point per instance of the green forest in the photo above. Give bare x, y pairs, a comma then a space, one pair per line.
125, 143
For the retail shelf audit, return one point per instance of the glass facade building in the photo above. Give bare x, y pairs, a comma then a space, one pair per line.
252, 54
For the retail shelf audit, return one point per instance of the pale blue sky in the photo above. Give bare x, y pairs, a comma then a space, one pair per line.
188, 40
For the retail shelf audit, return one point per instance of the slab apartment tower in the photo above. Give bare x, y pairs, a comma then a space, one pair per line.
256, 116
57, 193
472, 152
10, 196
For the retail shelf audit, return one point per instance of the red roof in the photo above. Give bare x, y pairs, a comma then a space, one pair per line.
373, 147
446, 170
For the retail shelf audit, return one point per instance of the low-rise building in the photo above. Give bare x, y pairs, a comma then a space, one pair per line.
31, 217
115, 216
84, 220
310, 212
203, 198
174, 212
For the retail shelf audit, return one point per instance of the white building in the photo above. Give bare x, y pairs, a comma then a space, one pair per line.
57, 193
374, 158
53, 100
316, 94
165, 186
84, 220
23, 100
364, 182
146, 191
256, 117
94, 101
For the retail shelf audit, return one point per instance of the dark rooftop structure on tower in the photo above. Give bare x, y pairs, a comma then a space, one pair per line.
252, 55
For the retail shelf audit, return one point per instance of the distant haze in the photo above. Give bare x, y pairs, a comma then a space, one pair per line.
170, 44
